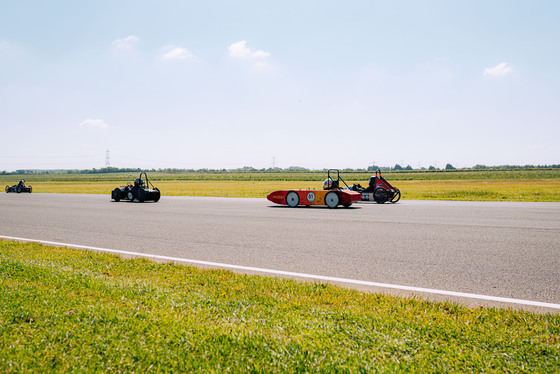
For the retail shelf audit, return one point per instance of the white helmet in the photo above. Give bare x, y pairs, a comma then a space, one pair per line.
328, 184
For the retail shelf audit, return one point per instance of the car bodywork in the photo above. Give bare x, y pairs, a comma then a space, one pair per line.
20, 187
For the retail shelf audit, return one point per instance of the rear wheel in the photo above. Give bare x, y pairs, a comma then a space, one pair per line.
396, 197
18, 190
30, 189
292, 199
332, 199
130, 196
7, 188
380, 195
347, 205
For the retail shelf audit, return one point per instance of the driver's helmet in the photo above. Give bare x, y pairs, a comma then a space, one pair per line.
372, 181
329, 184
138, 182
21, 182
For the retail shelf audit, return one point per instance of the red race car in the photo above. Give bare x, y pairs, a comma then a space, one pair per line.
331, 195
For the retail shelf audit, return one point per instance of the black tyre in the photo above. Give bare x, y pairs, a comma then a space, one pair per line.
157, 195
7, 189
332, 199
30, 189
141, 195
396, 197
18, 189
130, 196
347, 205
292, 199
116, 194
380, 195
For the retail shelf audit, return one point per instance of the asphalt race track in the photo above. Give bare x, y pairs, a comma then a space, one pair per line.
502, 249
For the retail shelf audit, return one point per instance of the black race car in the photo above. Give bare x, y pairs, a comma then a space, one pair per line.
20, 187
138, 191
378, 190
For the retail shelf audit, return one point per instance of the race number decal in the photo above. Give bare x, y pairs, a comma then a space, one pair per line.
310, 197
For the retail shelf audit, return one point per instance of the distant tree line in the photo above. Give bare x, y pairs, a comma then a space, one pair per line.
248, 169
75, 171
398, 167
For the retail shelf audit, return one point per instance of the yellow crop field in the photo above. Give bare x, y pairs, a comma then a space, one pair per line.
482, 190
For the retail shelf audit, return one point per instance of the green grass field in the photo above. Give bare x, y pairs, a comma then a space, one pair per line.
482, 185
65, 310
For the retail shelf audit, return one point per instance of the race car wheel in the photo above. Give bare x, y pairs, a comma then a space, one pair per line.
347, 205
332, 199
18, 190
157, 195
30, 189
116, 195
130, 196
141, 195
292, 199
380, 195
7, 188
396, 197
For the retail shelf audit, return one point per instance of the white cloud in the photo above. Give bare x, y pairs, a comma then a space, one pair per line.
125, 43
241, 51
176, 53
7, 46
499, 70
94, 123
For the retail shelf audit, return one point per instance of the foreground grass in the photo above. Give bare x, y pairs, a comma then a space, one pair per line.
66, 310
497, 185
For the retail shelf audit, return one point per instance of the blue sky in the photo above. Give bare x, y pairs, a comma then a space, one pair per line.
319, 84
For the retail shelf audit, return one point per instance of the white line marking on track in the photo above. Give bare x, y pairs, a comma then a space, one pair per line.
298, 275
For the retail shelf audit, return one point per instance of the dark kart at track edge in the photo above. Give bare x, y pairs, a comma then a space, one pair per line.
20, 187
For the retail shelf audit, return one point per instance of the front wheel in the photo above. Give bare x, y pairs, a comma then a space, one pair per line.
18, 190
332, 199
157, 195
7, 188
292, 199
141, 195
396, 197
30, 189
116, 195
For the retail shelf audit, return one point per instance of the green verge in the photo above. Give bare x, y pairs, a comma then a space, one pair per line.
459, 174
65, 310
